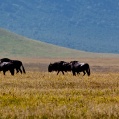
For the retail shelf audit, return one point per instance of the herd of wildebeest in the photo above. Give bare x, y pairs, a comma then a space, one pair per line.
75, 67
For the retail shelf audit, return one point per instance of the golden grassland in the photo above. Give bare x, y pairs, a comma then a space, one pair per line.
39, 94
45, 95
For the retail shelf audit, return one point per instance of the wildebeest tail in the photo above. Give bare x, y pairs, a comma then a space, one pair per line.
23, 69
88, 70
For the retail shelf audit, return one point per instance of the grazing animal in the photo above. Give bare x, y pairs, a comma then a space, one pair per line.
60, 66
17, 64
7, 66
77, 67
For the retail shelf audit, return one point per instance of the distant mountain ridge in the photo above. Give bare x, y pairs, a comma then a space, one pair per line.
87, 25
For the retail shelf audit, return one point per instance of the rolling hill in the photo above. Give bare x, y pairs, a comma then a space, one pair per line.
79, 24
13, 45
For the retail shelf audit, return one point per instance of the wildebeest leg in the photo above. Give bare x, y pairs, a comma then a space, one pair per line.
84, 73
4, 72
18, 69
58, 72
78, 73
62, 72
74, 74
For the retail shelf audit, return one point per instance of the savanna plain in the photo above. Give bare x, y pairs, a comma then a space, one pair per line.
39, 94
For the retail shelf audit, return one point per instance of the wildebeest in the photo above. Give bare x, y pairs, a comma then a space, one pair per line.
7, 66
59, 66
17, 64
77, 67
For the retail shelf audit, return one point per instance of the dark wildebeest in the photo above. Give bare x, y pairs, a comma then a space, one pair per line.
17, 64
59, 66
7, 66
77, 67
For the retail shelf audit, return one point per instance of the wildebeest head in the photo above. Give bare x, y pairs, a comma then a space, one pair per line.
5, 60
7, 66
50, 68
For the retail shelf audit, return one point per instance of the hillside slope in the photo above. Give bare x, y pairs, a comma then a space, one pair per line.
13, 45
78, 24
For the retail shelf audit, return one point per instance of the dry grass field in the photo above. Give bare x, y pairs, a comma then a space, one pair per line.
39, 94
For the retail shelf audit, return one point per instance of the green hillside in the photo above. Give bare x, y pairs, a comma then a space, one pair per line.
13, 45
